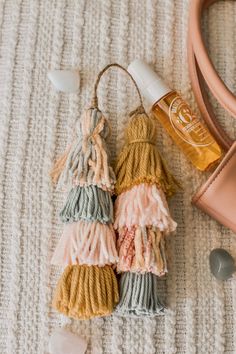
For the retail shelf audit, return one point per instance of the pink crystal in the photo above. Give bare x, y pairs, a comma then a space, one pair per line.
64, 342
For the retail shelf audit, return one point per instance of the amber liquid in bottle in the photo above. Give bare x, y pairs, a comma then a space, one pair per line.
187, 131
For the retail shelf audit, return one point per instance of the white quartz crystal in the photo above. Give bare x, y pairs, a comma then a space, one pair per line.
65, 80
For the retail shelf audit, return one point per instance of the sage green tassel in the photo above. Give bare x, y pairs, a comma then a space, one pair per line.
139, 295
88, 203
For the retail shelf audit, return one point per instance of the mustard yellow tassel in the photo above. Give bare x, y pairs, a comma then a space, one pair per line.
85, 292
139, 161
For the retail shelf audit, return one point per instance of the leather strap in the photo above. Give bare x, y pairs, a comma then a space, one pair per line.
202, 71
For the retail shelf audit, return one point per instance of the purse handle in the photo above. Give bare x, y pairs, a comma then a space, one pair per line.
201, 70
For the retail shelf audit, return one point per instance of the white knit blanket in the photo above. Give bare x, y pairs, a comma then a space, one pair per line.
36, 124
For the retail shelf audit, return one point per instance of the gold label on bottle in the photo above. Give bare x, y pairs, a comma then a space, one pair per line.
186, 124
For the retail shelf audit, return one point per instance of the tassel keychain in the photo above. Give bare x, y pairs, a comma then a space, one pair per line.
142, 217
88, 287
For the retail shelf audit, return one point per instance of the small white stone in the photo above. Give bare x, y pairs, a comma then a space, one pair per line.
64, 342
65, 80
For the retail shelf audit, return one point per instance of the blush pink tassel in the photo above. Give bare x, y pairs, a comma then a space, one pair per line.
143, 205
141, 250
83, 242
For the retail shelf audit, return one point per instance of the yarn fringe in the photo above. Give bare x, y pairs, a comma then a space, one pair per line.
141, 250
143, 205
87, 160
88, 203
139, 295
139, 161
59, 166
90, 243
85, 292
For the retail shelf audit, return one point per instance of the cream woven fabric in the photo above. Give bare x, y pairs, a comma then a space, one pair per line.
36, 124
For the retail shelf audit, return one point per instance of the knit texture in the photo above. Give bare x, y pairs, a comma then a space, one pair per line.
37, 124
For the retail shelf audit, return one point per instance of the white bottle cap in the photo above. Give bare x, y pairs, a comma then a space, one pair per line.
151, 86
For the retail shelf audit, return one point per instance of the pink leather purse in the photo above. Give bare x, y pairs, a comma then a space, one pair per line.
217, 197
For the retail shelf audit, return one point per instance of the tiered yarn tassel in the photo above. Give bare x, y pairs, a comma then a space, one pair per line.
139, 295
84, 292
144, 204
88, 287
86, 161
142, 218
142, 250
139, 161
83, 242
88, 203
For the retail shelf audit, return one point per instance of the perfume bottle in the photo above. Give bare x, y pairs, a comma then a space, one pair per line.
175, 115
